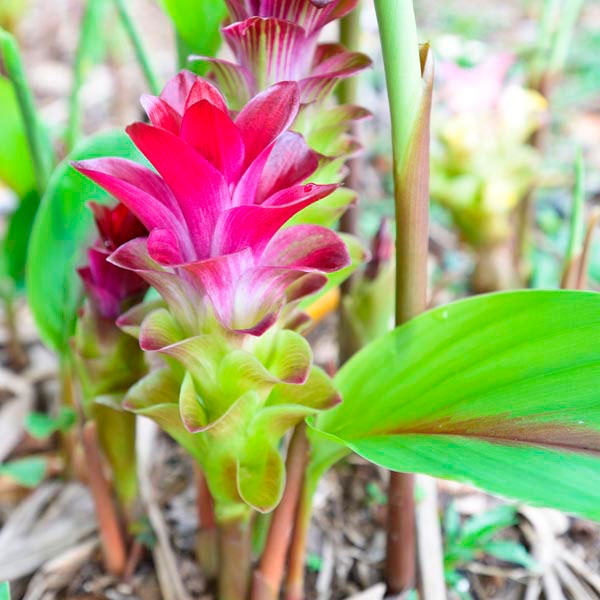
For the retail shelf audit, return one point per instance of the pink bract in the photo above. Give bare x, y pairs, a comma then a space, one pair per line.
110, 288
285, 31
215, 207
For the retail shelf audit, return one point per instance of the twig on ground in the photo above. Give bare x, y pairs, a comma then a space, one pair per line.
169, 579
429, 542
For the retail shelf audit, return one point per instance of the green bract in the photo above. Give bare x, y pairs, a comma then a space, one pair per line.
229, 399
108, 363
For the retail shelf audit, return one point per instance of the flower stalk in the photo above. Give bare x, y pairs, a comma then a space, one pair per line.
294, 587
234, 559
409, 76
111, 535
347, 94
268, 577
206, 546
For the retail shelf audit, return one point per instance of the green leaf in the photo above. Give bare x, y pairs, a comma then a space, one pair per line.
375, 495
482, 527
61, 230
16, 167
28, 472
40, 425
4, 590
314, 562
38, 143
512, 552
451, 523
197, 23
16, 239
499, 391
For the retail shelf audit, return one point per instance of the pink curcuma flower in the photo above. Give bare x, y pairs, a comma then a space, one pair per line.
216, 206
474, 89
276, 41
312, 15
111, 289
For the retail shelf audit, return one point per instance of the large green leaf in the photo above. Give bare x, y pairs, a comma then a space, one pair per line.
197, 23
16, 169
501, 391
58, 241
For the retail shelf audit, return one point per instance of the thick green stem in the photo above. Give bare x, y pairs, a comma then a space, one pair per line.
234, 559
138, 47
267, 578
347, 94
41, 153
409, 94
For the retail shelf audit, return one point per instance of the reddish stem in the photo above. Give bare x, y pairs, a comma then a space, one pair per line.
207, 546
294, 587
268, 577
135, 557
411, 185
234, 559
68, 439
400, 564
111, 536
206, 511
17, 354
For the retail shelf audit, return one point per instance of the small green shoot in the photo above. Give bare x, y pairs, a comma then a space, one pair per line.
143, 533
314, 562
375, 495
474, 539
40, 425
28, 472
4, 590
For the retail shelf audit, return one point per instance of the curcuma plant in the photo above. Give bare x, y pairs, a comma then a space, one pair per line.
483, 166
238, 373
226, 202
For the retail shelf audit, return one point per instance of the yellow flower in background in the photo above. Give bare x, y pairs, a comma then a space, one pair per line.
482, 163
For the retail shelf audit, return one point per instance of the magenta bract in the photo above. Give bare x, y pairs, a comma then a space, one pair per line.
275, 41
110, 288
216, 206
311, 15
